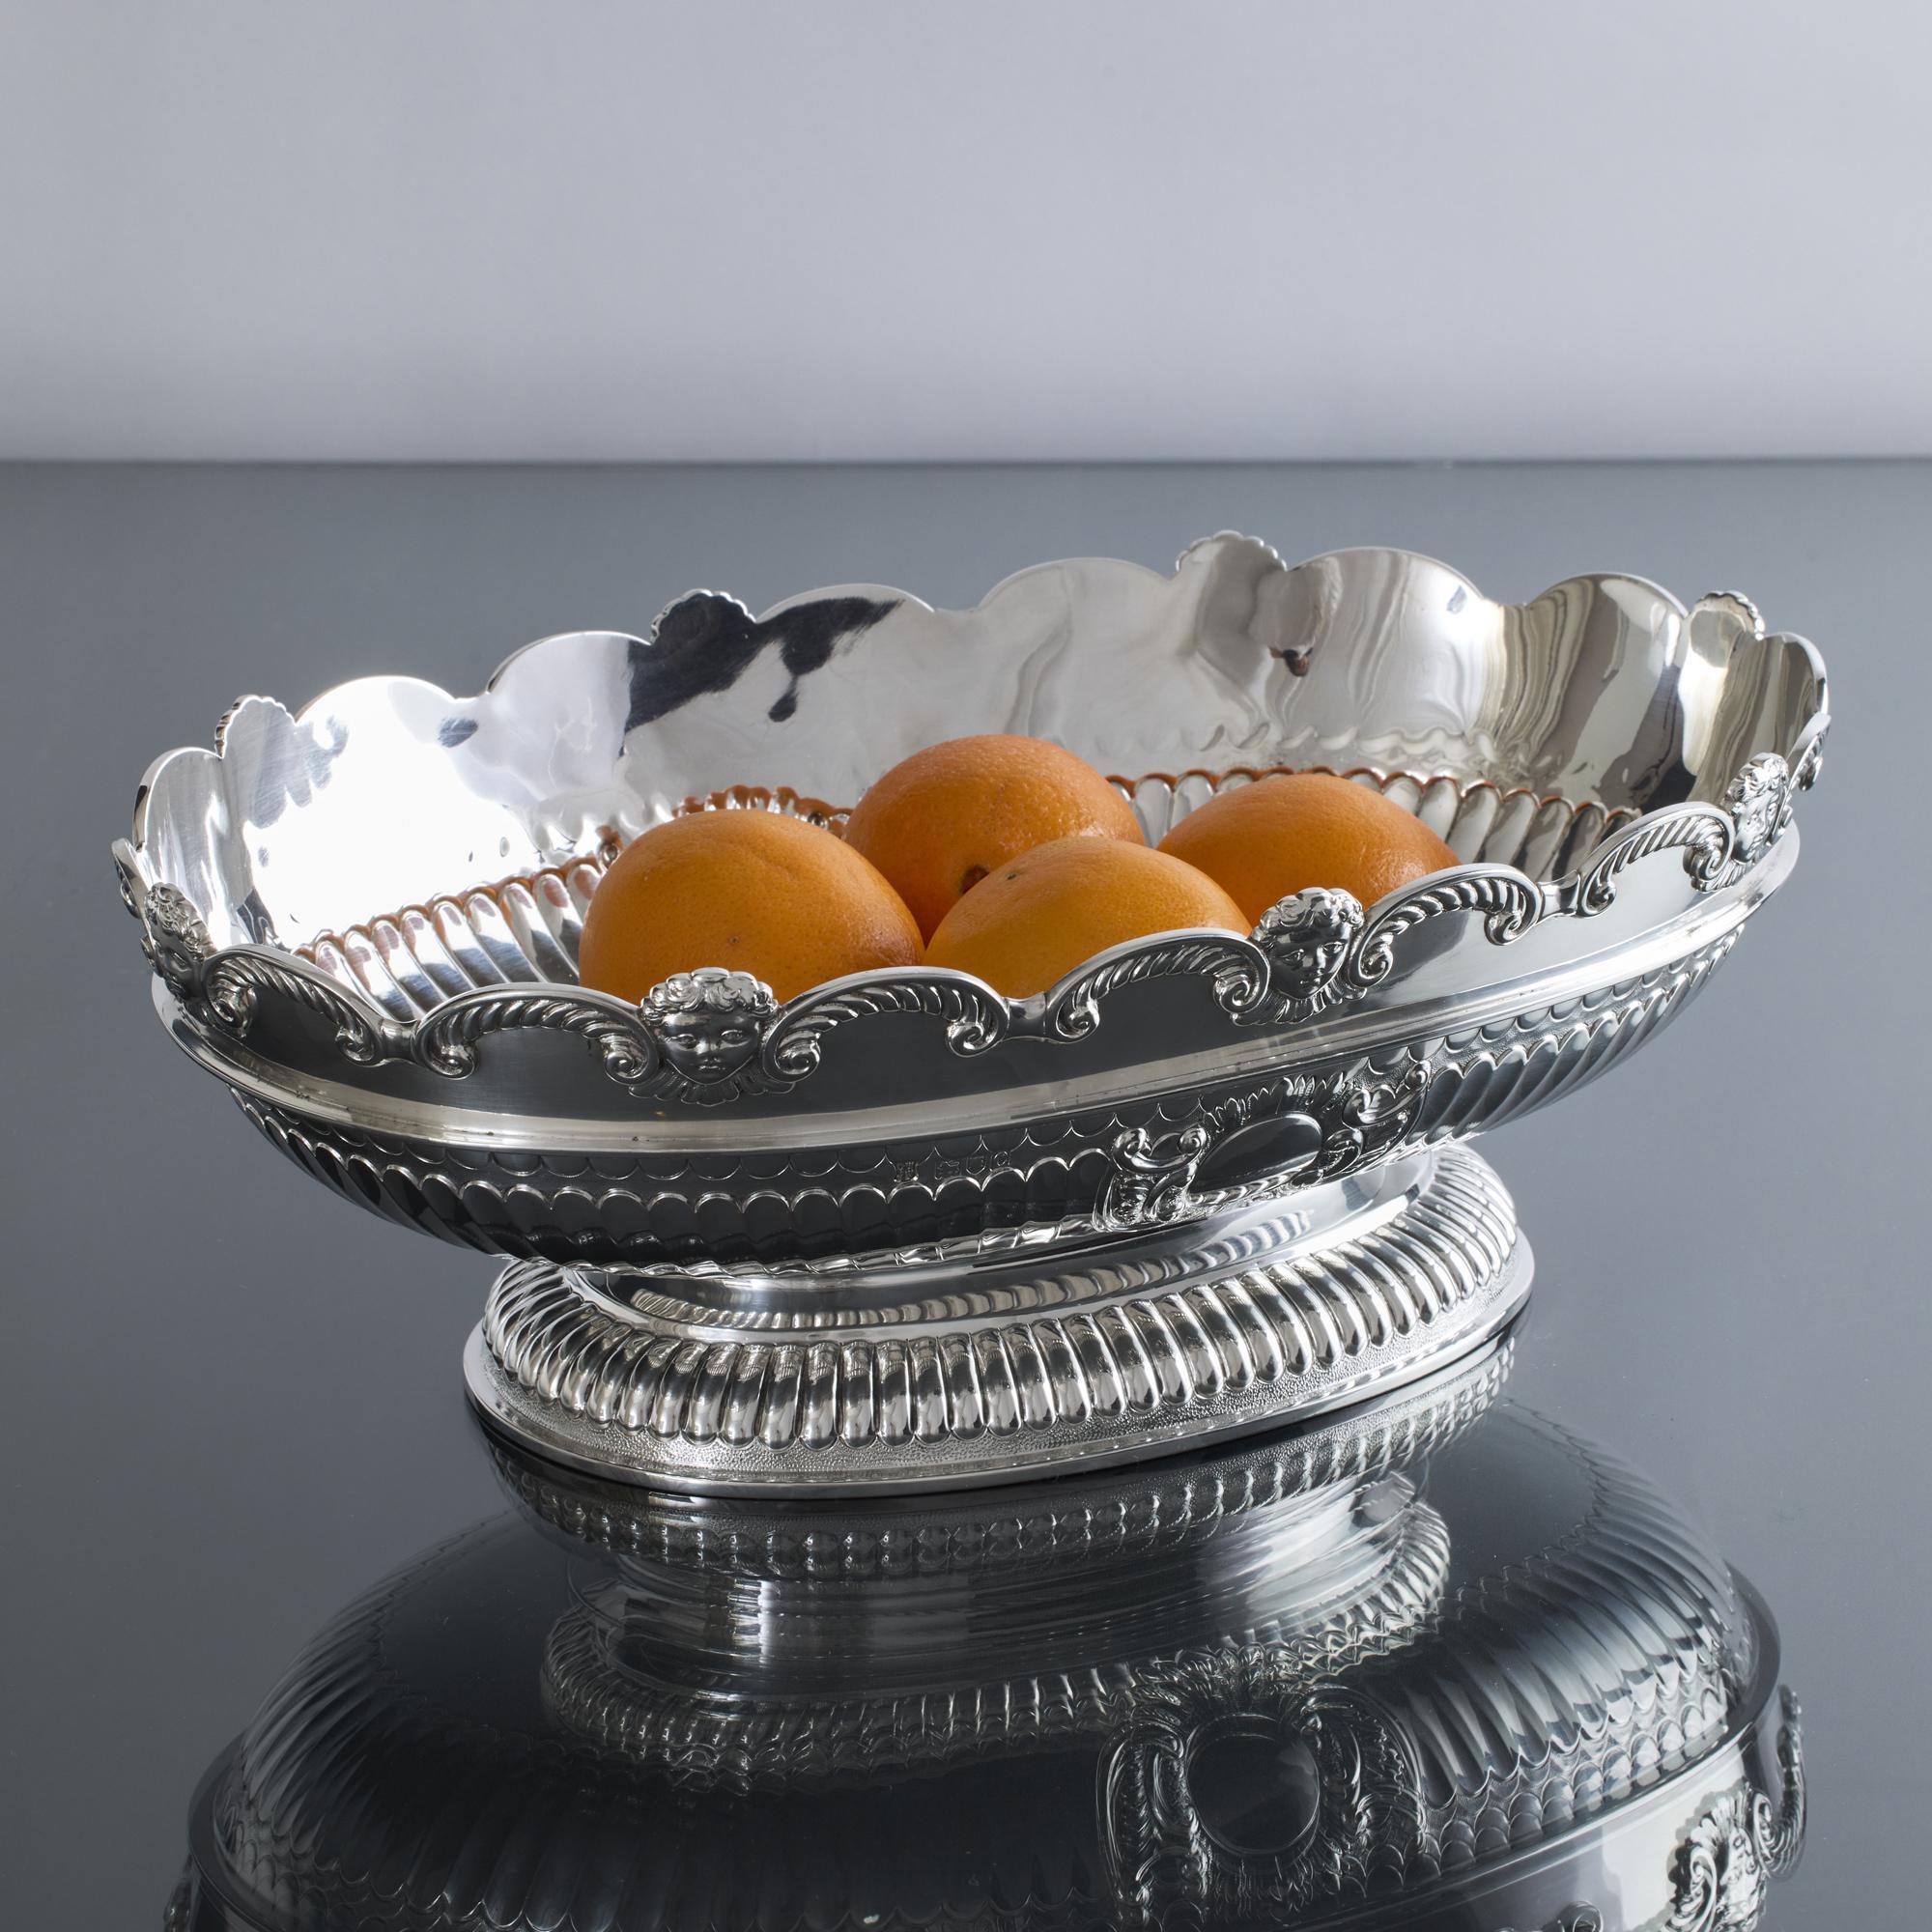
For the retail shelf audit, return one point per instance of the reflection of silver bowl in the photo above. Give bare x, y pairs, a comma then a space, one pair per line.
769, 1648
1500, 1680
363, 919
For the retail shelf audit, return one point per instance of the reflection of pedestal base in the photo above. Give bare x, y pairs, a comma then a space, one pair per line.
1027, 1362
1535, 1701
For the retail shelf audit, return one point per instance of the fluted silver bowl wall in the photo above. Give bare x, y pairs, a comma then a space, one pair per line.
363, 917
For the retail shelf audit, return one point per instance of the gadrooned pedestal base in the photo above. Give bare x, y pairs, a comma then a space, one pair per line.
919, 1375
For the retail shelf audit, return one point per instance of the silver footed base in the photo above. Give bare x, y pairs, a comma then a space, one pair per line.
919, 1374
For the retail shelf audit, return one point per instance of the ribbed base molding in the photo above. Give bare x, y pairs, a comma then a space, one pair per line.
910, 1376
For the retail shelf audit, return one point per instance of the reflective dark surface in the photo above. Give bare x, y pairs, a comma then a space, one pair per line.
207, 1457
1438, 1660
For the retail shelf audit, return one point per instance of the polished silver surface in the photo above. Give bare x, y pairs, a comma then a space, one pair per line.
1434, 1664
910, 1377
363, 918
385, 887
408, 871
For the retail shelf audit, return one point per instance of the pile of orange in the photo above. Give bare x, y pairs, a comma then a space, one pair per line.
1002, 856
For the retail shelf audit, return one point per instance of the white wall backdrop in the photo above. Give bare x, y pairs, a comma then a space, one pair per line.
832, 228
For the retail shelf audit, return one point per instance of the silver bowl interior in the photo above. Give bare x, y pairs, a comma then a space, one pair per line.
386, 794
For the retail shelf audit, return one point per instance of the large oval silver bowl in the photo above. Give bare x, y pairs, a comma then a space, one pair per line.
363, 915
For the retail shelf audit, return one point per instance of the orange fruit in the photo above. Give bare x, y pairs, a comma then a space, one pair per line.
1281, 835
1038, 916
939, 821
754, 891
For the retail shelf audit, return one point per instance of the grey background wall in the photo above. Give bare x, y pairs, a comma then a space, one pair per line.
604, 228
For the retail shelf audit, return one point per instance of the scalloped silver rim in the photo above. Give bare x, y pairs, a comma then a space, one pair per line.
1287, 975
